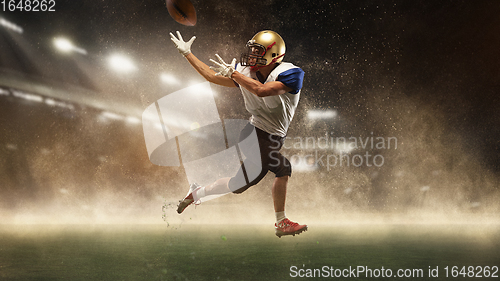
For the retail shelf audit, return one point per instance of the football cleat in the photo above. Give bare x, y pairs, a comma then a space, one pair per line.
189, 199
287, 227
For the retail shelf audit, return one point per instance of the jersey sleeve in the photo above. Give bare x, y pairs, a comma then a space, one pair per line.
292, 78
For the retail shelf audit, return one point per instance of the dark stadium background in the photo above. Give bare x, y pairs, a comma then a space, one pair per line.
425, 72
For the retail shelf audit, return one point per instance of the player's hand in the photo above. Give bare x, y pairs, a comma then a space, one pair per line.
183, 47
222, 68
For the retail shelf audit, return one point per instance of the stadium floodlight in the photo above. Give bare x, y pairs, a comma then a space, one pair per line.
169, 79
56, 103
66, 46
4, 92
303, 163
132, 120
27, 96
111, 115
121, 63
63, 44
316, 114
9, 25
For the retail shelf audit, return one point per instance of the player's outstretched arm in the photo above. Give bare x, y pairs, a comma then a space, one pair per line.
207, 73
204, 70
273, 88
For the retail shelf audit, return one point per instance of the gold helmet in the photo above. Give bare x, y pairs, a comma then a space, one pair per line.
264, 48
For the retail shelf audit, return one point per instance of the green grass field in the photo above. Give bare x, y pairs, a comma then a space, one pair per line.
204, 252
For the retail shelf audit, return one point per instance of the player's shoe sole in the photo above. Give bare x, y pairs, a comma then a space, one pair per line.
188, 200
280, 233
183, 204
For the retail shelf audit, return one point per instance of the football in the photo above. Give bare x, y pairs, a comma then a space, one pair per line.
182, 11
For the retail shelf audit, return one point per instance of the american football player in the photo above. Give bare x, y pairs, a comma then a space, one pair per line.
271, 91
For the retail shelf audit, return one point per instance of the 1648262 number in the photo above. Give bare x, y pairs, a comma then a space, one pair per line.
28, 5
472, 271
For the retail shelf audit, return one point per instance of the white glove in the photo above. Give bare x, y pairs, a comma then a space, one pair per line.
222, 68
183, 47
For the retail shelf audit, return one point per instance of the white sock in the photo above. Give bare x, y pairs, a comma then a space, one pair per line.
199, 193
280, 216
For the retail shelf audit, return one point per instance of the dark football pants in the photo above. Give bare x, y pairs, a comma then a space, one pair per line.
252, 170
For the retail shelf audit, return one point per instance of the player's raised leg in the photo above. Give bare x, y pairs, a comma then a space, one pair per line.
197, 192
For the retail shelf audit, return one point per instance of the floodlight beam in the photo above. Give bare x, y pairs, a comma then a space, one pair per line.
121, 63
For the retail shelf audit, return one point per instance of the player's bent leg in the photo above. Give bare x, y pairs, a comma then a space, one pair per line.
196, 192
248, 175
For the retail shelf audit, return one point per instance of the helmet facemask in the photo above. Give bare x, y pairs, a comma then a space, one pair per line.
254, 55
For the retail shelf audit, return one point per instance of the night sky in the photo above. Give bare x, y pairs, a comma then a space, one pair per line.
425, 72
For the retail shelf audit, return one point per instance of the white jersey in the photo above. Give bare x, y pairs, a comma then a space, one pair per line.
273, 114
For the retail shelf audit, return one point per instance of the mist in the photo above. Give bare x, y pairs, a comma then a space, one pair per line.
387, 71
